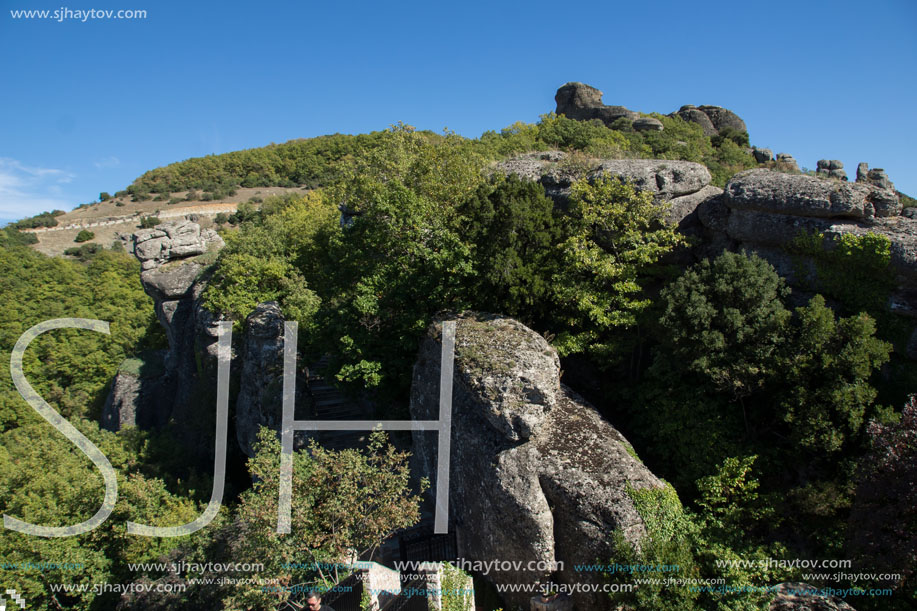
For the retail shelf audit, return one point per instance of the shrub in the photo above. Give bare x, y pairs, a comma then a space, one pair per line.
84, 236
104, 196
148, 222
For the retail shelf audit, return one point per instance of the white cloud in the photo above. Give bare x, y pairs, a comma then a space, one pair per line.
27, 190
107, 162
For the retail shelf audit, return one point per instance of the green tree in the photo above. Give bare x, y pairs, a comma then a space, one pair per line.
826, 369
344, 504
512, 230
723, 320
613, 237
84, 236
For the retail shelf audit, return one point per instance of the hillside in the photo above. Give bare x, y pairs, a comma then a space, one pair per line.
671, 349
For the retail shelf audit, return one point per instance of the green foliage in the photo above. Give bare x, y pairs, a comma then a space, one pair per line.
84, 236
104, 196
852, 269
906, 200
826, 376
453, 583
45, 219
344, 503
512, 230
730, 133
148, 222
11, 237
43, 479
613, 235
84, 252
723, 320
265, 262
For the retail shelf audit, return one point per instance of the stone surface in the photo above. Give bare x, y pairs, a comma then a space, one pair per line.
788, 162
684, 206
762, 155
139, 395
173, 240
187, 387
876, 177
723, 118
801, 195
172, 281
648, 124
693, 115
260, 399
665, 179
535, 473
798, 596
584, 102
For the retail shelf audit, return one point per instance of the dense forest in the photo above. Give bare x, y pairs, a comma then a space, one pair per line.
781, 418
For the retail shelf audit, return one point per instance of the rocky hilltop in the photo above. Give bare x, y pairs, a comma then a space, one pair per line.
584, 103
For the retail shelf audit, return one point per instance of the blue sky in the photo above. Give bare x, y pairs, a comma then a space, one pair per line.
89, 106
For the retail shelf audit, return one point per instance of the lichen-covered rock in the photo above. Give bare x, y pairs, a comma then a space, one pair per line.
583, 103
693, 115
535, 473
723, 118
139, 395
661, 177
788, 161
173, 240
762, 155
171, 281
767, 191
682, 207
876, 177
666, 179
798, 596
260, 399
648, 124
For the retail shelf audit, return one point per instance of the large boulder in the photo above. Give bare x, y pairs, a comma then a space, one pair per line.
799, 596
260, 399
693, 115
186, 390
665, 179
767, 191
535, 473
683, 206
139, 395
173, 240
723, 118
713, 119
648, 124
583, 103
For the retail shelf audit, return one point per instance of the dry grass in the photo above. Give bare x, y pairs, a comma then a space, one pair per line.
128, 215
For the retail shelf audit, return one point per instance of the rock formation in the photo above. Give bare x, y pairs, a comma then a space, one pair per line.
583, 103
683, 184
788, 162
535, 473
831, 168
139, 396
713, 119
260, 398
876, 177
798, 596
762, 155
173, 278
764, 211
